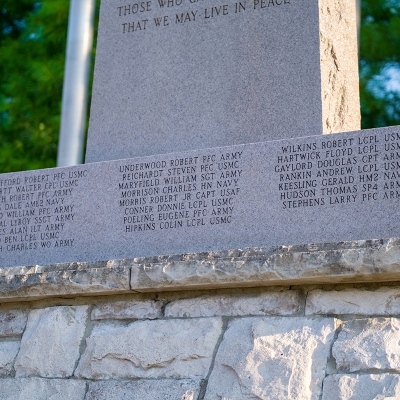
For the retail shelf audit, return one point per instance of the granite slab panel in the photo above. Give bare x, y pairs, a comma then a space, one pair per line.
169, 74
315, 189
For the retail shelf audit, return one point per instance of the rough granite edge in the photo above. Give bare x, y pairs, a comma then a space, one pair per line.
358, 261
339, 66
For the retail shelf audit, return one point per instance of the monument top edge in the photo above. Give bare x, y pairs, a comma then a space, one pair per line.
241, 145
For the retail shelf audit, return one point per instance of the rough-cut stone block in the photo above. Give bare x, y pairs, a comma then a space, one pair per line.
384, 301
362, 387
272, 358
50, 344
144, 390
132, 309
150, 349
12, 323
8, 352
42, 389
338, 49
221, 80
364, 344
352, 261
270, 303
64, 279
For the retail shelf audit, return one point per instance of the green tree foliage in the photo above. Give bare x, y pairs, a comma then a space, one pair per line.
32, 57
379, 61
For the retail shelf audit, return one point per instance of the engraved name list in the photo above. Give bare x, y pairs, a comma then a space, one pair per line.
311, 189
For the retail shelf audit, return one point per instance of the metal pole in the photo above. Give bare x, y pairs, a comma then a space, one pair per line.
358, 22
76, 79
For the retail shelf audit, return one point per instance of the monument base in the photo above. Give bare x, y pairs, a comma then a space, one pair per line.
344, 262
273, 322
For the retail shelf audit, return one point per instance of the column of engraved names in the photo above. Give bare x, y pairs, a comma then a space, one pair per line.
140, 193
317, 173
178, 193
337, 171
297, 180
35, 210
391, 166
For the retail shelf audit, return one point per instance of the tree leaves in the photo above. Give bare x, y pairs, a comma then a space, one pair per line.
32, 67
379, 55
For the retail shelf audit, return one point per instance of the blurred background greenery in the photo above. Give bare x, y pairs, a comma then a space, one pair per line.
32, 56
32, 59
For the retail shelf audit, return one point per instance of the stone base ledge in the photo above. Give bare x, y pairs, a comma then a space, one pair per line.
345, 262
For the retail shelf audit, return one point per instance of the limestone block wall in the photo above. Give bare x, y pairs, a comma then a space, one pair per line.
324, 342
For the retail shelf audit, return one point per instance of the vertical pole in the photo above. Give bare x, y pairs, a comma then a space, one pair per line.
358, 22
76, 79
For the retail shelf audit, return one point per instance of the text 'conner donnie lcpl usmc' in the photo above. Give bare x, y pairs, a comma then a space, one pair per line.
180, 192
